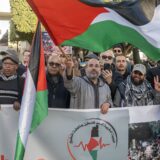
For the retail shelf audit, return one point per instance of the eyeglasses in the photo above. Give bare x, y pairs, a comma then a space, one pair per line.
117, 51
138, 73
107, 57
54, 64
7, 63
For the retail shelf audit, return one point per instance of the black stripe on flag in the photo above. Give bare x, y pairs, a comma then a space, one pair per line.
35, 55
138, 12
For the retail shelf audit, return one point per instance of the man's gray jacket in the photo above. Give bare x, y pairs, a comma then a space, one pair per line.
86, 95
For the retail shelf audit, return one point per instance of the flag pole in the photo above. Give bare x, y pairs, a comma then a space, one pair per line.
34, 105
63, 53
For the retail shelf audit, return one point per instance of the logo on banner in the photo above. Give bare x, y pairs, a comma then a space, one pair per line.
92, 138
2, 157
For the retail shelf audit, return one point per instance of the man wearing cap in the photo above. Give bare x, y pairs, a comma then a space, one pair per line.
11, 85
136, 90
89, 56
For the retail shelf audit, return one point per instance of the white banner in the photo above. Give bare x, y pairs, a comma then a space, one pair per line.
8, 132
79, 134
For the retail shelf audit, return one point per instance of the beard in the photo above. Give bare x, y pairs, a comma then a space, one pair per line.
122, 68
93, 74
135, 82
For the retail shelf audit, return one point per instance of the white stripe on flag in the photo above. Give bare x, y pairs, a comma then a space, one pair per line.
150, 31
27, 108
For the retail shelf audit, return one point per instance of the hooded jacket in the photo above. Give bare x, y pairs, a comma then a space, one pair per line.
86, 95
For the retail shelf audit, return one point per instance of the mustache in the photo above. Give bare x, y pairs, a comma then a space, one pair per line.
121, 65
94, 71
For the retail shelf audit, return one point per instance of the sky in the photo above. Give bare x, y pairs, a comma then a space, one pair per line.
4, 7
4, 25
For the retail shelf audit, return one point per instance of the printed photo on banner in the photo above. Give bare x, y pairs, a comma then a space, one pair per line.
144, 141
50, 48
48, 44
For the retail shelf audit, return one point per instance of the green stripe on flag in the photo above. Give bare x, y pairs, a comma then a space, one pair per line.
20, 150
40, 109
100, 36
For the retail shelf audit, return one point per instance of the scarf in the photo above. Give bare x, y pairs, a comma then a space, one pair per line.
8, 78
140, 95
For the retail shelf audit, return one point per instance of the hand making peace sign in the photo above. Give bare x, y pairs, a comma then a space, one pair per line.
157, 83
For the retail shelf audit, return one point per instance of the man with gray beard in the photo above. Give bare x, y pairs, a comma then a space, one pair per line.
90, 91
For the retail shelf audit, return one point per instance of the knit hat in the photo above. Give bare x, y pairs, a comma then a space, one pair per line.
10, 54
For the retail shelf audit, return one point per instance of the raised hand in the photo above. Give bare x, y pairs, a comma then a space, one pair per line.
107, 75
157, 83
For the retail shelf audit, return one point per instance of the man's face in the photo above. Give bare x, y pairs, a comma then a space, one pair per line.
93, 69
107, 57
121, 63
26, 57
137, 77
9, 67
53, 65
117, 51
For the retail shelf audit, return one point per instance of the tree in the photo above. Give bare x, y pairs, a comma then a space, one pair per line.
19, 36
23, 21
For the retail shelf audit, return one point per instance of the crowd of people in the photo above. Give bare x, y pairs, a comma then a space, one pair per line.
144, 141
100, 81
146, 150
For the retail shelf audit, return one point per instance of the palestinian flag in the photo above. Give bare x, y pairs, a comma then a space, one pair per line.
34, 106
97, 25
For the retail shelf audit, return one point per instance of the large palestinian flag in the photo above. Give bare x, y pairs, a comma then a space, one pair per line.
99, 24
34, 106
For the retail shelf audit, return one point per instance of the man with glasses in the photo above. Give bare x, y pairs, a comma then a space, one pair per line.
118, 49
136, 90
11, 85
58, 96
107, 57
109, 75
106, 60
